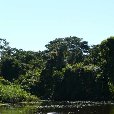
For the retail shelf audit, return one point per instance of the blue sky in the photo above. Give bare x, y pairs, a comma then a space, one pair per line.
30, 24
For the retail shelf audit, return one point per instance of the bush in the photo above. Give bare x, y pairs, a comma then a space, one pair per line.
14, 93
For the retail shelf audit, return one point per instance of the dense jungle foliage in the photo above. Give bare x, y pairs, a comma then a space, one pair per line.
69, 69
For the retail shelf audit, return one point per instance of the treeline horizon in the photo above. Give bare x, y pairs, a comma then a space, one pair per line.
69, 69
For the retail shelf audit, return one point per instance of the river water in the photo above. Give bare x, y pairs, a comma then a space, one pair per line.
78, 107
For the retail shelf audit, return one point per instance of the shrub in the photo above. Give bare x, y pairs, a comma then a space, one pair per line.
14, 93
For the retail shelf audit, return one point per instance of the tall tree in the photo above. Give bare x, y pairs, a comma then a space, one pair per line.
107, 54
71, 49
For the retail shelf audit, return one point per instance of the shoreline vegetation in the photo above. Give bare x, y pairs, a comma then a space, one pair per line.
68, 70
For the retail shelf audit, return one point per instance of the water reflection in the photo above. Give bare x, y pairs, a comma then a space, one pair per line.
61, 108
76, 108
86, 110
17, 110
